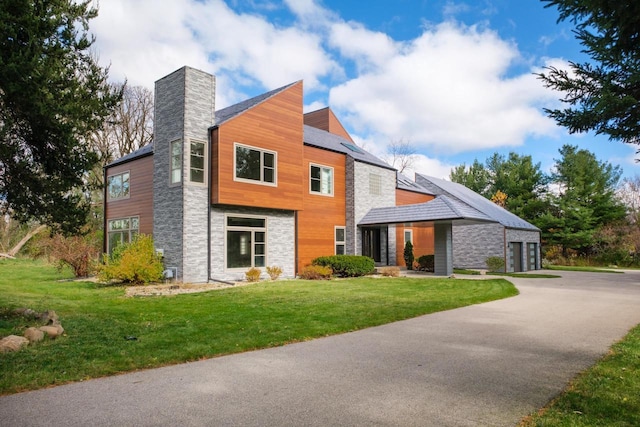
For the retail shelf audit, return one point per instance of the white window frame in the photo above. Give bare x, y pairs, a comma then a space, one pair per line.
410, 236
262, 152
228, 228
375, 184
121, 176
172, 168
204, 163
337, 242
331, 180
130, 231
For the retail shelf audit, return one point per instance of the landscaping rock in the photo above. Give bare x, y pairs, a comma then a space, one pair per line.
34, 334
12, 343
52, 331
26, 312
49, 317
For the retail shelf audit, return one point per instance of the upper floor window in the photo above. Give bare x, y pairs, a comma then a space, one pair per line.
176, 162
196, 162
375, 184
321, 180
118, 186
257, 165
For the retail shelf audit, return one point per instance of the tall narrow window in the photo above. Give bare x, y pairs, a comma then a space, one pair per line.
176, 162
255, 165
196, 162
408, 236
375, 184
246, 242
340, 240
321, 180
118, 186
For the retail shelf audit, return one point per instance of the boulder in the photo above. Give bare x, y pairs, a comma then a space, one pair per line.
52, 331
26, 312
12, 343
33, 334
49, 317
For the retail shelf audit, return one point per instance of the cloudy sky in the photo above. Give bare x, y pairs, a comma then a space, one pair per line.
456, 79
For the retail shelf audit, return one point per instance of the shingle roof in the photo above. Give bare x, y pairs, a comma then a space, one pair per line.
475, 200
405, 183
147, 150
329, 141
442, 208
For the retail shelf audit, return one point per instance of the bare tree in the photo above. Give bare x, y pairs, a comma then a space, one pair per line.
629, 194
401, 154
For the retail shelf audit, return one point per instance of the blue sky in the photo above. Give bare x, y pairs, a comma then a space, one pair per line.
453, 78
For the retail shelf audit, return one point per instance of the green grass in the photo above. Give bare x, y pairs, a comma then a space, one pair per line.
607, 394
189, 327
527, 275
465, 271
579, 268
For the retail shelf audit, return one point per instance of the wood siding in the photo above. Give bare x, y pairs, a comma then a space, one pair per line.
140, 201
423, 238
325, 119
321, 214
276, 125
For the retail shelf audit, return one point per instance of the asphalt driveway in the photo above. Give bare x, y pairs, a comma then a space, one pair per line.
484, 365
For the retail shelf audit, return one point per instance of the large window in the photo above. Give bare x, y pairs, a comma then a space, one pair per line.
375, 184
340, 240
121, 230
118, 186
176, 162
321, 181
246, 242
196, 162
255, 165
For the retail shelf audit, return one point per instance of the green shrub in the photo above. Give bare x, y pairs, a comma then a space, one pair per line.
426, 263
253, 274
347, 265
495, 264
389, 271
408, 255
135, 262
274, 272
316, 272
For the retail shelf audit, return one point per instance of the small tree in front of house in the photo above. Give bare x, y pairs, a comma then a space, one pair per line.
408, 255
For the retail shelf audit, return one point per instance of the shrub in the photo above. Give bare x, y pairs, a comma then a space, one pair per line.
347, 265
426, 263
274, 272
408, 255
389, 271
495, 264
135, 262
253, 274
316, 272
78, 252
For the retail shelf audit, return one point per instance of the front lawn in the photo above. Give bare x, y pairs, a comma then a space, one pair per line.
107, 333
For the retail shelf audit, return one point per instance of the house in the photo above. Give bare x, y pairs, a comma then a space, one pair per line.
260, 183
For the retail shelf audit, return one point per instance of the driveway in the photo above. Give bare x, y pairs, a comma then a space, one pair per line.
488, 364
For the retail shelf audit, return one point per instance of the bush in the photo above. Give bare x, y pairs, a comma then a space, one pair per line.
135, 262
408, 255
389, 271
316, 272
78, 252
426, 263
347, 265
274, 272
253, 274
495, 264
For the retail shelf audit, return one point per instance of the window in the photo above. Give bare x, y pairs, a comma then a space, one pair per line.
375, 184
118, 186
246, 242
196, 162
353, 147
255, 165
321, 180
340, 241
408, 236
121, 230
176, 162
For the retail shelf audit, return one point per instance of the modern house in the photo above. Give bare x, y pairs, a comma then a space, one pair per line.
260, 183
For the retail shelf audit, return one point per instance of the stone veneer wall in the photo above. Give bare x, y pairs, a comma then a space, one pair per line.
184, 108
524, 237
473, 244
280, 241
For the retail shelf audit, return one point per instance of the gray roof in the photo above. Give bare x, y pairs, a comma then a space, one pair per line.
442, 208
475, 200
147, 150
405, 183
329, 141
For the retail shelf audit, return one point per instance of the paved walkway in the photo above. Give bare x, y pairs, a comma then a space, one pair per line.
484, 365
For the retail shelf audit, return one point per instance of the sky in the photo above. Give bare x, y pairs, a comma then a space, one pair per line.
454, 79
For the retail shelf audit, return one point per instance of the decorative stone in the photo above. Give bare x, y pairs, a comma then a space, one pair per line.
49, 317
52, 331
33, 334
26, 312
12, 343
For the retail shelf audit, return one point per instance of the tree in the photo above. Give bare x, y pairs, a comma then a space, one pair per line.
603, 95
629, 194
53, 96
401, 155
475, 177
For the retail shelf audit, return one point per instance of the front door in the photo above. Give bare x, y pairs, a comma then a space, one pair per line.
517, 256
371, 243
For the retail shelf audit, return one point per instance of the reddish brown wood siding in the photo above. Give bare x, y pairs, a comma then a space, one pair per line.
275, 125
423, 243
321, 214
325, 119
140, 201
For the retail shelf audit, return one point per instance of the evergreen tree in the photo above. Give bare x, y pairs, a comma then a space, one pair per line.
475, 177
53, 95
